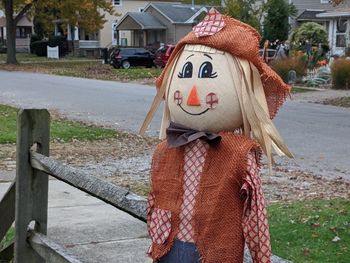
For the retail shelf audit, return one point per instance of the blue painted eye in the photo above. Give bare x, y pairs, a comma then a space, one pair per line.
206, 71
186, 71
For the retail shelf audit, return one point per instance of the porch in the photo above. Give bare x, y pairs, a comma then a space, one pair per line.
337, 24
82, 42
23, 32
145, 29
338, 28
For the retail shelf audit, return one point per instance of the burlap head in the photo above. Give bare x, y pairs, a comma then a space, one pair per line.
242, 41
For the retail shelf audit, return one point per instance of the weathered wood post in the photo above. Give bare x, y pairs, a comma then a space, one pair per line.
7, 216
33, 128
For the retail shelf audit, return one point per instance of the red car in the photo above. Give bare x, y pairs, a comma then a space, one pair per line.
162, 55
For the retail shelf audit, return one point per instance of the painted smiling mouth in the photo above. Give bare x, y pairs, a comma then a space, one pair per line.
195, 114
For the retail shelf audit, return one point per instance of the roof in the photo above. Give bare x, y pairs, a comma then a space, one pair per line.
339, 12
146, 20
23, 22
309, 15
177, 13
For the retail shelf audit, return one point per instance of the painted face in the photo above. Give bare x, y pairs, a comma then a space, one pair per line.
201, 94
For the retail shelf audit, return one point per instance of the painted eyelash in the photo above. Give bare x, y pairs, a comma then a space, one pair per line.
186, 71
180, 75
213, 75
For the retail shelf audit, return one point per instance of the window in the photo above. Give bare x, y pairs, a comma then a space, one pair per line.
340, 40
325, 1
128, 51
117, 2
23, 31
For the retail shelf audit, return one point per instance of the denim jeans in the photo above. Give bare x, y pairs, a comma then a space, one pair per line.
181, 252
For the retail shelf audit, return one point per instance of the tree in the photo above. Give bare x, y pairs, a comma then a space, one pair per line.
244, 10
312, 32
337, 2
87, 14
276, 24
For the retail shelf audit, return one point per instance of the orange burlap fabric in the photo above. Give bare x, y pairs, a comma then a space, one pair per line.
242, 41
218, 210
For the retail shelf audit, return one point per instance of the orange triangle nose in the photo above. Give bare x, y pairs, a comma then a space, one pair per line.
193, 98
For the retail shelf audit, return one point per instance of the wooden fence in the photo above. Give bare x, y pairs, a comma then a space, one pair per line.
26, 201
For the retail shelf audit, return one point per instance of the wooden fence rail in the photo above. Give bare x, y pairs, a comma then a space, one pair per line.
26, 201
116, 196
7, 212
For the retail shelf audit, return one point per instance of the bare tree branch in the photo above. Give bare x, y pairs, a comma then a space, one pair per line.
24, 10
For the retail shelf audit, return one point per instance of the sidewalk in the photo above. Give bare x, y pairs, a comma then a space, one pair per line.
90, 229
93, 231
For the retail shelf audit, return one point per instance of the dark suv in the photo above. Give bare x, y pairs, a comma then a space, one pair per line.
131, 56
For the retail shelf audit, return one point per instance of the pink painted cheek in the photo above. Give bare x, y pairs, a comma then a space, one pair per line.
177, 97
212, 100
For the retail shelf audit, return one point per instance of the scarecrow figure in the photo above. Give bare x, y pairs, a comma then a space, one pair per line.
206, 200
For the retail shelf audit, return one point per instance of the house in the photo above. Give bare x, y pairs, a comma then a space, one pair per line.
90, 44
161, 23
110, 35
24, 30
336, 21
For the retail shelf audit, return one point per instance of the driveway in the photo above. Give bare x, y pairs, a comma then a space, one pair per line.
318, 135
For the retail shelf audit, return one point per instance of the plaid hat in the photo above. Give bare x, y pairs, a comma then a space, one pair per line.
240, 40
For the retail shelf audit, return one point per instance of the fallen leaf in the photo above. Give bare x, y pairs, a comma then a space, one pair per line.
315, 225
336, 239
333, 229
306, 252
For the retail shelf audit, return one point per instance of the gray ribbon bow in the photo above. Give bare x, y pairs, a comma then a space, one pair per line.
178, 135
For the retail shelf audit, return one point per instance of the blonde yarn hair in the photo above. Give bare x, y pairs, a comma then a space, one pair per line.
251, 96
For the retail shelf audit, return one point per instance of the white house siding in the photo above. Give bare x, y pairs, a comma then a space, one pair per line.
338, 45
106, 33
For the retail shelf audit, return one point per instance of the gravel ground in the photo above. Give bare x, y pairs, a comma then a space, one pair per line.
126, 161
320, 96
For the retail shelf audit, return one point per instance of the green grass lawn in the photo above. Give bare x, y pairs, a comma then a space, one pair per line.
92, 69
301, 90
28, 57
60, 129
303, 231
340, 102
306, 231
8, 238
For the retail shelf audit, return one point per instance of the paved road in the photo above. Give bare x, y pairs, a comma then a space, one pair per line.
318, 135
120, 105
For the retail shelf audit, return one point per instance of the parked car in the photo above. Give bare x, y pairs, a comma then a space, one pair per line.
269, 56
131, 56
162, 55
